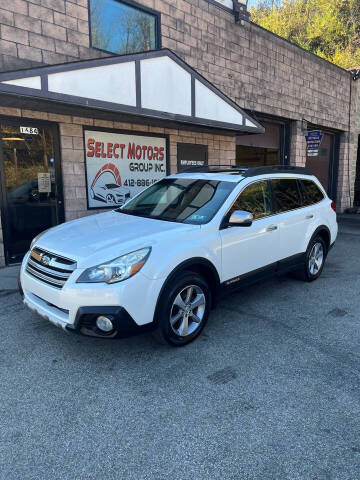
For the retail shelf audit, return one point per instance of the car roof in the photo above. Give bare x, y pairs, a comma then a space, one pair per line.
237, 176
218, 176
235, 173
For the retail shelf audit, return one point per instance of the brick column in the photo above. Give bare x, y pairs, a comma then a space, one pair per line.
347, 170
297, 145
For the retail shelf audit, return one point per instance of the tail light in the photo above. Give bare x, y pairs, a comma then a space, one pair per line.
333, 206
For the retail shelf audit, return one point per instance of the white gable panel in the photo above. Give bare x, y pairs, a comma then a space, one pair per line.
29, 82
212, 107
249, 124
227, 3
109, 83
165, 86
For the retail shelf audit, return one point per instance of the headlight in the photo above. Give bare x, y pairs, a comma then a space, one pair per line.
118, 269
37, 237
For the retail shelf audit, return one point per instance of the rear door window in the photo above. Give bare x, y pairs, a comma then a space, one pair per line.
286, 194
311, 193
254, 199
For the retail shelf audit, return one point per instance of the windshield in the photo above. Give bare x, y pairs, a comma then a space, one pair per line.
180, 200
112, 185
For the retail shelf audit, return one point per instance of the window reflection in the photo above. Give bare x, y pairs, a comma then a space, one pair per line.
120, 28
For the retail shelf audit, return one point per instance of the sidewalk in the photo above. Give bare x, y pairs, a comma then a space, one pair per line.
9, 278
348, 217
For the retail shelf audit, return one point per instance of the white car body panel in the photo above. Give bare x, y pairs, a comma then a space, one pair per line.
247, 249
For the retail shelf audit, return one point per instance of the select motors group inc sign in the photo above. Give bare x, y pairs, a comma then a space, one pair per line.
119, 165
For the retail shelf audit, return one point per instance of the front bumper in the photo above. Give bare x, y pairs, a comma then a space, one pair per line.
124, 324
85, 321
75, 307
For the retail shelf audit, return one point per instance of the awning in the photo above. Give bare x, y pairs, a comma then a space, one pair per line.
156, 85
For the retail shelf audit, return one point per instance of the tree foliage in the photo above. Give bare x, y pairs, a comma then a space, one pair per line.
328, 28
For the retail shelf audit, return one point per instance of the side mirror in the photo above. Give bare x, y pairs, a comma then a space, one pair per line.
240, 218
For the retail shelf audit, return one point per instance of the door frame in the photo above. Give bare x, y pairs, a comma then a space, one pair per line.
334, 154
60, 212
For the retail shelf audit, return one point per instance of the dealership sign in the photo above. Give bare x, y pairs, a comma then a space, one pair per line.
313, 142
119, 165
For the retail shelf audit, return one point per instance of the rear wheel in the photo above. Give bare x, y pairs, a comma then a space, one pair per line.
314, 259
183, 310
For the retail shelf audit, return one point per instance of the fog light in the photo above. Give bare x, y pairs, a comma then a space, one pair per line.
104, 324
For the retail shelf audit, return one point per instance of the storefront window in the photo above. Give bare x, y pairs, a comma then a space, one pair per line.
263, 149
30, 184
122, 27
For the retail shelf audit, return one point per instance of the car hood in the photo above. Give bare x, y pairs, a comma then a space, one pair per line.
99, 238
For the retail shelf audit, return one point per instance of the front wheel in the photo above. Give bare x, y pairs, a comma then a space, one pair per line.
183, 310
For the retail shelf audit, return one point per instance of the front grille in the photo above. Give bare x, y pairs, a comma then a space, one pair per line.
49, 268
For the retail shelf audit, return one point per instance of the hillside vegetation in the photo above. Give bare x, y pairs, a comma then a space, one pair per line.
328, 28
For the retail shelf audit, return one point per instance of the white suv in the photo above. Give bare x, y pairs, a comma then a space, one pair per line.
160, 261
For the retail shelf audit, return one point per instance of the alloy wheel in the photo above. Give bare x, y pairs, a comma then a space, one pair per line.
187, 311
316, 258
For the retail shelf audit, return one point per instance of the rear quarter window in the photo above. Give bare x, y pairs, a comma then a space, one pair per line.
311, 193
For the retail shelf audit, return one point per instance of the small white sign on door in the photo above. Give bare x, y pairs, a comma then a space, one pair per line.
29, 130
44, 182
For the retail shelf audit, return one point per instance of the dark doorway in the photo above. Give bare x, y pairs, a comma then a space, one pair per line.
324, 165
269, 148
191, 155
31, 190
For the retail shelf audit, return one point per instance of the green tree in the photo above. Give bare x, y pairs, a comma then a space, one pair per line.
328, 28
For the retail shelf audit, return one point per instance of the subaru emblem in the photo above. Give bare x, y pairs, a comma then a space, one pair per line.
45, 260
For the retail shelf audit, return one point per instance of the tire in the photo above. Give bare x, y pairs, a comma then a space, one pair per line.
315, 258
178, 323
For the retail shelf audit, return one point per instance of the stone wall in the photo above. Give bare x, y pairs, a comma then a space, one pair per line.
38, 32
257, 69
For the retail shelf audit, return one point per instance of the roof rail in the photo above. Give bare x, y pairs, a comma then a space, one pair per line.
246, 171
253, 171
234, 169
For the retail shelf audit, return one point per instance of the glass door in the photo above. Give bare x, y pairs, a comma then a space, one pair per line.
32, 199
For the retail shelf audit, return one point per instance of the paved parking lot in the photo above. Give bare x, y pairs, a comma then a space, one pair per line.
270, 391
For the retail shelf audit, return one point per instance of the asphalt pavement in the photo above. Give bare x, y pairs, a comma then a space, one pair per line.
270, 391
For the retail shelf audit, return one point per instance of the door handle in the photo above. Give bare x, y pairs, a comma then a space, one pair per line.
271, 228
309, 216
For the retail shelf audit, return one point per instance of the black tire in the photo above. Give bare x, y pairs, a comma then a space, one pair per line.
307, 273
180, 285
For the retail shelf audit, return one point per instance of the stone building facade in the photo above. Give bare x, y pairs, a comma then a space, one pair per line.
268, 77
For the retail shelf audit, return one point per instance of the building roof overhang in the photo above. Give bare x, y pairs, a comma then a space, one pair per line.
157, 87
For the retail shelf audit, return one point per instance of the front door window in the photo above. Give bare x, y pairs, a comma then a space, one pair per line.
30, 197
